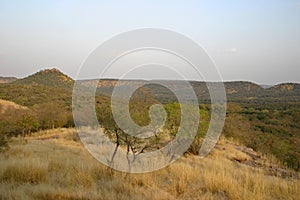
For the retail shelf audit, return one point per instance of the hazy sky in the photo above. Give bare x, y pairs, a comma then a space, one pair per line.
248, 40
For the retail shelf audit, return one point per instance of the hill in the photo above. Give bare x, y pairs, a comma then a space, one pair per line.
236, 91
7, 79
48, 77
48, 85
239, 91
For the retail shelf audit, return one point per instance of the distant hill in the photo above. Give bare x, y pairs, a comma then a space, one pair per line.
48, 85
286, 87
236, 91
7, 79
53, 84
48, 77
110, 82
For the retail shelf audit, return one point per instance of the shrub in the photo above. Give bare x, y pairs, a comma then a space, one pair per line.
3, 143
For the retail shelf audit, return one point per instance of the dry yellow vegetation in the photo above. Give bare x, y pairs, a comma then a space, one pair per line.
54, 165
9, 105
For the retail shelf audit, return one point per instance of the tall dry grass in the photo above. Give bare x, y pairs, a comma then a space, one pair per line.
60, 168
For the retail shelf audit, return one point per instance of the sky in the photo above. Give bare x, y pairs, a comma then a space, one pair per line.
248, 40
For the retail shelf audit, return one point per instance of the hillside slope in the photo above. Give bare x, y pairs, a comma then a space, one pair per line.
5, 106
53, 165
48, 77
48, 85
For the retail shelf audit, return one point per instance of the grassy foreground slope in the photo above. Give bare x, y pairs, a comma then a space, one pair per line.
54, 165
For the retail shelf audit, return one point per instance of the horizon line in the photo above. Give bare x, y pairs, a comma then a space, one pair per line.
141, 79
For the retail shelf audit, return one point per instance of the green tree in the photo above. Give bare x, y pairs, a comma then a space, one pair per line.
27, 123
52, 114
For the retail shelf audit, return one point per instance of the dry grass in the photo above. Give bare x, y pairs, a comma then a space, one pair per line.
9, 105
25, 172
60, 168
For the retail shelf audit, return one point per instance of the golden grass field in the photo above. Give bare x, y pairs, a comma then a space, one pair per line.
53, 165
